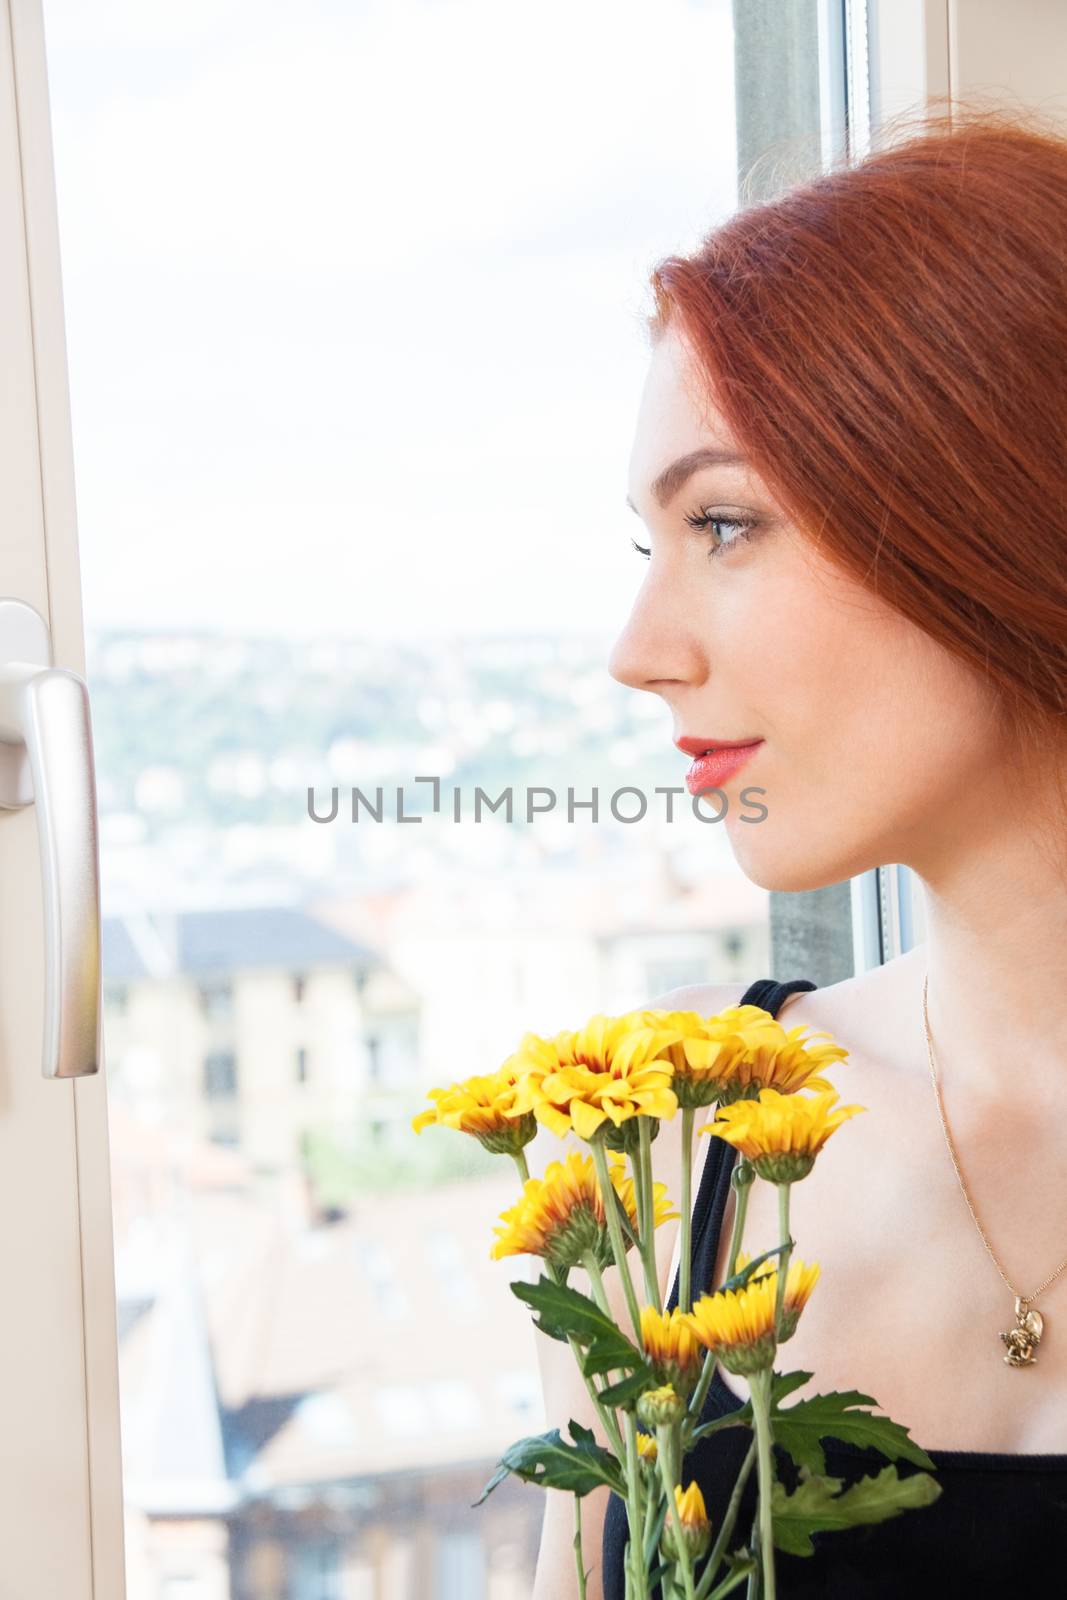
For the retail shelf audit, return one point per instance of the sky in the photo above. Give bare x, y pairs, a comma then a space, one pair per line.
354, 299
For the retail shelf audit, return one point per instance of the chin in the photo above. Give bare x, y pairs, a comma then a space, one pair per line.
782, 860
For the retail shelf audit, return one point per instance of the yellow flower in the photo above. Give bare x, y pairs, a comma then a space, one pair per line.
672, 1347
691, 1508
781, 1134
800, 1280
597, 1079
561, 1216
737, 1052
738, 1324
695, 1526
646, 1446
483, 1107
660, 1407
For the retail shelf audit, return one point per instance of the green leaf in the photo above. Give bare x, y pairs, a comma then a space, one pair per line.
816, 1506
548, 1460
782, 1383
624, 1218
565, 1312
799, 1428
629, 1389
740, 1279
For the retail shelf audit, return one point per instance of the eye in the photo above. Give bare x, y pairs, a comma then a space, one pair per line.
742, 526
715, 520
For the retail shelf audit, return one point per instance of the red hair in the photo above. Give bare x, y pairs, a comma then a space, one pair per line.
888, 342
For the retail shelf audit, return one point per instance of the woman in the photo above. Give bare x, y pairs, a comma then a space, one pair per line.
850, 462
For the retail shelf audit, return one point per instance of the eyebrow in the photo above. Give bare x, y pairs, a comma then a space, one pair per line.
671, 479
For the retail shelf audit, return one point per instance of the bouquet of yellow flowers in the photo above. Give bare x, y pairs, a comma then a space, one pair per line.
611, 1083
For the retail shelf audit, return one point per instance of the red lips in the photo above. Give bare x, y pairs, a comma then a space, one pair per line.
697, 747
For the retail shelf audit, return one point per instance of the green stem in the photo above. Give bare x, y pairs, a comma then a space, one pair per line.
646, 1210
783, 1259
618, 1243
669, 1475
718, 1549
727, 1585
578, 1545
699, 1395
635, 1510
742, 1192
685, 1265
607, 1417
520, 1162
760, 1386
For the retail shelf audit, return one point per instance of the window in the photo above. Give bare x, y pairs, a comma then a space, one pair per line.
116, 998
216, 1000
459, 1566
316, 1570
220, 1075
514, 690
373, 1045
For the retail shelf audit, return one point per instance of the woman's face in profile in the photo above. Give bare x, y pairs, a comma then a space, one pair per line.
877, 745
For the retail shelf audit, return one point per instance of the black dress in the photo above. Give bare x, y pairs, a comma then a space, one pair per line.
1000, 1520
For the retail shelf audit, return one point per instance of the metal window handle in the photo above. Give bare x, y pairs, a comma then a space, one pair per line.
46, 759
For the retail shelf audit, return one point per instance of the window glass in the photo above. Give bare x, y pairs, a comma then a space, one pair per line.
354, 300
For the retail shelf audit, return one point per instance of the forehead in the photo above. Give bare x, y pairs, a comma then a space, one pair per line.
675, 414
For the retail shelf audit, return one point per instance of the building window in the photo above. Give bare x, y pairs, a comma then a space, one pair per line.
301, 1065
316, 1571
373, 1045
299, 988
116, 998
680, 972
459, 1565
216, 1000
220, 1075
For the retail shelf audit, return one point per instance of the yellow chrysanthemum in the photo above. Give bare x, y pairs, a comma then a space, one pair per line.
484, 1107
800, 1280
596, 1079
660, 1407
738, 1324
781, 1134
646, 1446
561, 1216
693, 1517
737, 1052
691, 1508
672, 1347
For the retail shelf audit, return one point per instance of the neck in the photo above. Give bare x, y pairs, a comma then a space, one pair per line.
996, 956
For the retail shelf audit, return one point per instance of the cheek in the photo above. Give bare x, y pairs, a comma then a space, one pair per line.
865, 709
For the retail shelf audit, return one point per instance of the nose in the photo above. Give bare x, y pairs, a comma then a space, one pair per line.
658, 648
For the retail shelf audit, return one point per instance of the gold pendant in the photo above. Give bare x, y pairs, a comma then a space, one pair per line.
1023, 1339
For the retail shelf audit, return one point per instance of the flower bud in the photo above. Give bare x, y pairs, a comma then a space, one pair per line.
660, 1407
695, 1527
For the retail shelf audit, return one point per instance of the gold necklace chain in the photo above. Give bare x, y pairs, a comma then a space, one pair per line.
1023, 1302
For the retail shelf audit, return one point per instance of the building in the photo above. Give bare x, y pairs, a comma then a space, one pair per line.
249, 1026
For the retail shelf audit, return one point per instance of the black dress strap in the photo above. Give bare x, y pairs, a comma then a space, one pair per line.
710, 1204
708, 1211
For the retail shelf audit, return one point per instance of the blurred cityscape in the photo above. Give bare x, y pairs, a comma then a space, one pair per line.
320, 1365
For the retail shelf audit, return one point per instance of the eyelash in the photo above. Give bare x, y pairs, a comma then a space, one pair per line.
705, 520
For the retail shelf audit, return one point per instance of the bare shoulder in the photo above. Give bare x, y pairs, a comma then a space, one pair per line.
875, 1014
